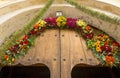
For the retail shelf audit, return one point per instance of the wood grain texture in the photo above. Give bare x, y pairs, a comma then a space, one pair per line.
91, 60
60, 50
45, 51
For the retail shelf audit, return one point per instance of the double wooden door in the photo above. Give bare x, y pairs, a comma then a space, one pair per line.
60, 50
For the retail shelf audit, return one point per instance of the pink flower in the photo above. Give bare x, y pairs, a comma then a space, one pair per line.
50, 21
71, 22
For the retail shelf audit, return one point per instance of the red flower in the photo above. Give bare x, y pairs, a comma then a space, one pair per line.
14, 48
32, 32
89, 36
100, 35
115, 43
25, 37
26, 42
21, 42
106, 48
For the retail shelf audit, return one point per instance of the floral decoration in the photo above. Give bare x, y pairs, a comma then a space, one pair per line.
103, 47
61, 21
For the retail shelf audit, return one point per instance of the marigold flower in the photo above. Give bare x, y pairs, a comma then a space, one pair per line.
109, 59
88, 28
6, 57
36, 26
106, 43
106, 36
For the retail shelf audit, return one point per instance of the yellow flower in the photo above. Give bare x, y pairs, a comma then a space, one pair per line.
41, 23
98, 49
81, 23
61, 21
13, 59
58, 24
97, 43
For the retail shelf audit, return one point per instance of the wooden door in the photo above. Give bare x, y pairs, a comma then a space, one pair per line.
74, 51
60, 50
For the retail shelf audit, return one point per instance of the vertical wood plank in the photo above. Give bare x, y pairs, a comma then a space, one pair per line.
71, 52
45, 51
47, 48
65, 54
76, 49
91, 60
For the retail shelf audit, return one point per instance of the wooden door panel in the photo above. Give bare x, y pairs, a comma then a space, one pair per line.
60, 50
72, 52
91, 60
46, 51
65, 54
47, 48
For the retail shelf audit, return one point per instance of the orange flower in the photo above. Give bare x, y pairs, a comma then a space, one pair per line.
6, 57
88, 28
36, 26
106, 36
106, 43
109, 59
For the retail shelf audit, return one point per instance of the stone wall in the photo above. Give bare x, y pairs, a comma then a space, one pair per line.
15, 23
19, 5
20, 20
90, 3
111, 29
101, 5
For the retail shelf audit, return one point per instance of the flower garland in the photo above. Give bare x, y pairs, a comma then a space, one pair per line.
104, 48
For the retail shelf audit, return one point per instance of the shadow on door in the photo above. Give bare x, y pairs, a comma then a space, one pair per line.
95, 72
25, 72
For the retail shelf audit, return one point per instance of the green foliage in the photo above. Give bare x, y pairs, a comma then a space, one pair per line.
93, 13
15, 36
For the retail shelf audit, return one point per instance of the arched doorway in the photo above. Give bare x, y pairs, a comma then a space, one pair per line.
87, 71
20, 71
60, 50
